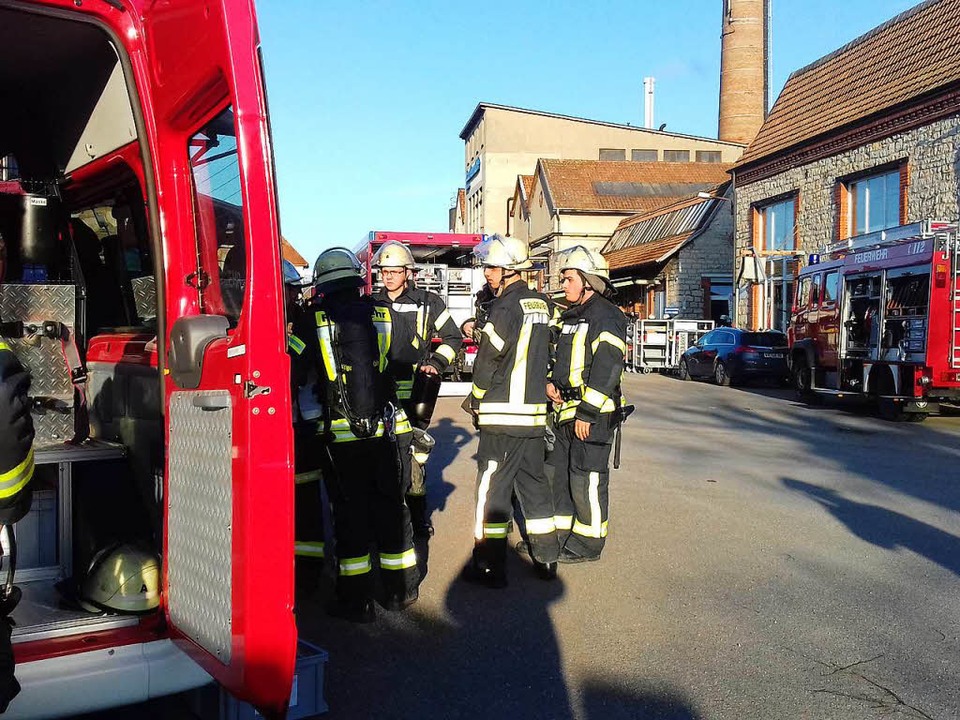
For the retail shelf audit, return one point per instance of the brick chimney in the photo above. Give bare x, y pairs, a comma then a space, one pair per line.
743, 69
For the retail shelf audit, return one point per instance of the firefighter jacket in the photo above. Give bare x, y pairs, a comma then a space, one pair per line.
349, 343
423, 313
510, 372
16, 438
588, 362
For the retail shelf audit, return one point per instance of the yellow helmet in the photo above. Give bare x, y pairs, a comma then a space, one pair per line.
509, 253
394, 254
122, 579
582, 259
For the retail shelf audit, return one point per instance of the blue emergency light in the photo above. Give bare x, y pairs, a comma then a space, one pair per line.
813, 259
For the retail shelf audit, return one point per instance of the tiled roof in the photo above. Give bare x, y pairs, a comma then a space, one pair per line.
290, 253
649, 252
626, 186
654, 236
913, 54
527, 182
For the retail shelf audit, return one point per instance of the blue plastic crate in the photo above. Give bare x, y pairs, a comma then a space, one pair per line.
306, 697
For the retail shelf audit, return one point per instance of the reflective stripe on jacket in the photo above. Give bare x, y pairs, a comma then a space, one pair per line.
16, 470
510, 372
589, 359
424, 315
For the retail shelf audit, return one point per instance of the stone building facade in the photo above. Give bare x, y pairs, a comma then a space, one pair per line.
851, 146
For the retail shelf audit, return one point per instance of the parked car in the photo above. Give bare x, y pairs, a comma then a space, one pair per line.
731, 355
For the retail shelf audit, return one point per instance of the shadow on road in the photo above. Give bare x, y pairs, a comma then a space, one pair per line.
450, 439
885, 528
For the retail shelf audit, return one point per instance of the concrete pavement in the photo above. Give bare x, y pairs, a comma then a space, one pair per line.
765, 560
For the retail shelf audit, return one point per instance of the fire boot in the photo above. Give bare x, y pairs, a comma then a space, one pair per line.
419, 517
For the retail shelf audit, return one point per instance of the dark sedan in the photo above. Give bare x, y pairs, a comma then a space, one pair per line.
731, 355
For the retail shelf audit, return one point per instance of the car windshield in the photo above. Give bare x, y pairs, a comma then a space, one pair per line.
764, 339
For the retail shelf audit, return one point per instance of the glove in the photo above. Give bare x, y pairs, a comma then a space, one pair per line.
16, 426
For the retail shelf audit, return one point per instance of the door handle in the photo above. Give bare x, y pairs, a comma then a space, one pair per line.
219, 401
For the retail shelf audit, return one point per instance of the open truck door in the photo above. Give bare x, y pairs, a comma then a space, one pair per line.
228, 545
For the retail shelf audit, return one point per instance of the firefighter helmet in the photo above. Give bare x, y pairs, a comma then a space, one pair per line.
394, 254
291, 276
336, 269
122, 578
509, 253
582, 259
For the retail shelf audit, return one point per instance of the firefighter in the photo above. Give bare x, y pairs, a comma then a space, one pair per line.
510, 409
585, 390
425, 314
16, 473
309, 546
348, 338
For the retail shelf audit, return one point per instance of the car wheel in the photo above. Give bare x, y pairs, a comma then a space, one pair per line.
684, 371
720, 375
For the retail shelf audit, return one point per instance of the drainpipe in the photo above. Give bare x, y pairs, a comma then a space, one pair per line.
735, 310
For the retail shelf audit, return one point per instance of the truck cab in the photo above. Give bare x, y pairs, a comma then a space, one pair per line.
141, 287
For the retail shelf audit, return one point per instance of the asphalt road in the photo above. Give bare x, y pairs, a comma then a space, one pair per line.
765, 560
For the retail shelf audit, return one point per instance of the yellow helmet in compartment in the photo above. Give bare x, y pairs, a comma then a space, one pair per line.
122, 579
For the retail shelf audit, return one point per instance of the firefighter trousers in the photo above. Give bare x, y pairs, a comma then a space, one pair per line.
509, 465
365, 488
309, 547
581, 479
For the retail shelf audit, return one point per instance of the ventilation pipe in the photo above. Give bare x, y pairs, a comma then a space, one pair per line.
648, 102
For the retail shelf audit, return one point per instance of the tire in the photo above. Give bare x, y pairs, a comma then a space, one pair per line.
802, 380
890, 410
721, 376
684, 371
915, 417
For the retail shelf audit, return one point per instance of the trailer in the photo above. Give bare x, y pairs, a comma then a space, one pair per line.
658, 344
878, 317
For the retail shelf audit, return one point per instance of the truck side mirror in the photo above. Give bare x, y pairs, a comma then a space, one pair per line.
189, 338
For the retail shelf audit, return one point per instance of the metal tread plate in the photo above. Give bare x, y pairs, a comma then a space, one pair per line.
200, 519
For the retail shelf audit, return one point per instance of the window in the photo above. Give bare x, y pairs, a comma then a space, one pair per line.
764, 339
803, 296
708, 156
724, 337
218, 203
831, 285
815, 291
676, 156
777, 226
612, 154
874, 202
643, 155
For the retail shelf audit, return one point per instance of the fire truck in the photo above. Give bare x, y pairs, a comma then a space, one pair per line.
141, 286
444, 266
878, 316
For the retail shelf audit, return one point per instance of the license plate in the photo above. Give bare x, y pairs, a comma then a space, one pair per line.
773, 355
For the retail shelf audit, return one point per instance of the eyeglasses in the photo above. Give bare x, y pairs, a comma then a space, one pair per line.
392, 273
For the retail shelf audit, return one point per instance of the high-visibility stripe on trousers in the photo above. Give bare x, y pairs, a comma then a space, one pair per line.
508, 464
580, 489
364, 484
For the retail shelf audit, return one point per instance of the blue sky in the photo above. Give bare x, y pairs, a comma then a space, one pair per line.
367, 98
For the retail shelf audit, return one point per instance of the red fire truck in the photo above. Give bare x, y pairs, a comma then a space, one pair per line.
139, 218
878, 316
444, 266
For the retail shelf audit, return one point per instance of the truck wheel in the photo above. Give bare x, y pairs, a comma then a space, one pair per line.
915, 417
803, 380
891, 410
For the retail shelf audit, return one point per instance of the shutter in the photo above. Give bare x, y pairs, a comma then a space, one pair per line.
904, 187
842, 228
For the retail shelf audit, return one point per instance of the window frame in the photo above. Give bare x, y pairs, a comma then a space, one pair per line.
832, 302
848, 204
601, 151
760, 227
677, 151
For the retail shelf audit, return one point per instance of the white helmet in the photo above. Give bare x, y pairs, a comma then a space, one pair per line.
509, 253
582, 259
394, 254
123, 579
